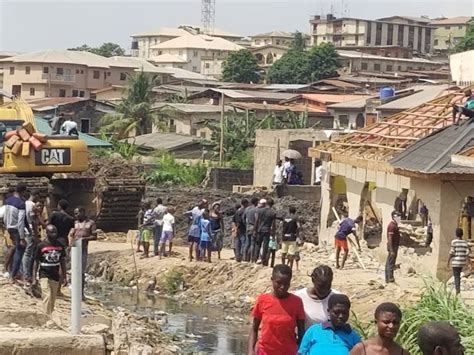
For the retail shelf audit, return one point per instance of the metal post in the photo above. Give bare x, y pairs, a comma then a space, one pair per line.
76, 286
221, 145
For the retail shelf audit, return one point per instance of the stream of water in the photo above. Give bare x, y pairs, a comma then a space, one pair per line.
205, 327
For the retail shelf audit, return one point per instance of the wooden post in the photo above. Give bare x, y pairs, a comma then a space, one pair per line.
221, 145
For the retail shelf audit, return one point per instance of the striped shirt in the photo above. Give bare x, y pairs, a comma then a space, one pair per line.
459, 252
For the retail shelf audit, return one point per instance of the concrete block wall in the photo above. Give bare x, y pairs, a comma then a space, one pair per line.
226, 178
303, 192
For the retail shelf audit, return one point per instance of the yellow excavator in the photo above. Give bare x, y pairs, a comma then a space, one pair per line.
57, 166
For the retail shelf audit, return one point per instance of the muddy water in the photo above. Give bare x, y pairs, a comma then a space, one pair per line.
204, 329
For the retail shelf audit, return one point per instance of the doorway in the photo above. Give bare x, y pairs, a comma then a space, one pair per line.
16, 90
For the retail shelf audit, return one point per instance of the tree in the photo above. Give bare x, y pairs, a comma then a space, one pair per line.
292, 68
467, 43
107, 49
323, 61
241, 67
299, 42
135, 112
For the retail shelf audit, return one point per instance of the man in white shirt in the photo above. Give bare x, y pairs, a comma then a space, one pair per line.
286, 165
278, 173
168, 231
158, 213
318, 172
69, 127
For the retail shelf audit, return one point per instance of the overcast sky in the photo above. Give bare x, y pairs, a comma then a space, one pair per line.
36, 24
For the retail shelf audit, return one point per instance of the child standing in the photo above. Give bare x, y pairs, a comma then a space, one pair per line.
206, 243
459, 257
168, 231
273, 247
147, 229
335, 336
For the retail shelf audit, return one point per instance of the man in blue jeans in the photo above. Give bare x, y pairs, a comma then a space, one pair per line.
15, 222
241, 236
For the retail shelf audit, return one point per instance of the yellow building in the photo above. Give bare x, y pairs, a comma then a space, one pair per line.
449, 32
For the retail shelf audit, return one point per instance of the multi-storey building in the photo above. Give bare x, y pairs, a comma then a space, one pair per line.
412, 33
63, 73
142, 42
200, 53
449, 31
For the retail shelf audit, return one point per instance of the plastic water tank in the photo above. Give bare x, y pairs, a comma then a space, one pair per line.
386, 92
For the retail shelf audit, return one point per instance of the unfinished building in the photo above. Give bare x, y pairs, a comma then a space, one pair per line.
411, 159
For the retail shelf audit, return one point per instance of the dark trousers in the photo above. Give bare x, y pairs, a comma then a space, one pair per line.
28, 256
249, 240
457, 279
157, 230
465, 111
240, 243
19, 251
261, 242
390, 266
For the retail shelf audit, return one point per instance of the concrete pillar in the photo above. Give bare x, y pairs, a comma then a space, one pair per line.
395, 35
374, 33
415, 40
423, 40
354, 192
325, 203
405, 35
384, 34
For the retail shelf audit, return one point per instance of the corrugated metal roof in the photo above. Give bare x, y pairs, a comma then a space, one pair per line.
286, 86
276, 107
283, 34
50, 103
359, 55
331, 98
194, 108
63, 57
183, 74
131, 62
432, 154
459, 20
352, 104
163, 141
199, 42
93, 142
425, 93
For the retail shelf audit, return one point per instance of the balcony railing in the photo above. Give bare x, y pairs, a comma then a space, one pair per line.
65, 78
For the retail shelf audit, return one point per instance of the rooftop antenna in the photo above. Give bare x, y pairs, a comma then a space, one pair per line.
208, 15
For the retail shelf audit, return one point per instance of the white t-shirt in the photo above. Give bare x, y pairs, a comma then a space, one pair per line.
68, 126
318, 174
316, 311
2, 212
286, 165
29, 205
159, 213
168, 222
278, 174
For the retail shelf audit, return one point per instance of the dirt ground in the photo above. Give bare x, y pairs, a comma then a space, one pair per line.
231, 284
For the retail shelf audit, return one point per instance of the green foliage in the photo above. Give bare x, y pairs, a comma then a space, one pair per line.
240, 129
172, 281
107, 49
298, 67
324, 61
241, 67
242, 160
135, 112
467, 43
436, 303
169, 171
292, 68
299, 43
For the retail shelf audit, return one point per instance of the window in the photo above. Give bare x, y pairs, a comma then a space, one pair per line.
123, 76
96, 74
378, 34
82, 71
195, 53
343, 120
62, 92
409, 68
399, 68
460, 27
202, 134
447, 27
401, 30
390, 35
12, 70
45, 70
32, 91
160, 52
369, 33
195, 69
81, 93
134, 44
180, 53
278, 42
156, 40
257, 42
324, 38
377, 67
27, 70
208, 65
435, 42
389, 67
77, 71
59, 71
364, 66
108, 73
75, 93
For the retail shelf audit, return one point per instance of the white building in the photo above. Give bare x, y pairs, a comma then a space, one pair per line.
201, 53
413, 33
462, 70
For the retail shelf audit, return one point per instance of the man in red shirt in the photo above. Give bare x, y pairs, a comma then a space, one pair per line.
393, 242
278, 313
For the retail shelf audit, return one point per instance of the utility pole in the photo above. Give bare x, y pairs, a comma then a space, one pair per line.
208, 16
221, 145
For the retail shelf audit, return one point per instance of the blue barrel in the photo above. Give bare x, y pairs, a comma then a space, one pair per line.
387, 92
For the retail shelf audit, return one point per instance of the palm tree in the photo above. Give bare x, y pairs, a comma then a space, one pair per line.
135, 113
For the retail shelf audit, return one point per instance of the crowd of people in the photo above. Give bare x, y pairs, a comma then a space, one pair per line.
37, 247
314, 321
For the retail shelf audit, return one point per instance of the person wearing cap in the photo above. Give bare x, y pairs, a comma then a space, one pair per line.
393, 242
265, 227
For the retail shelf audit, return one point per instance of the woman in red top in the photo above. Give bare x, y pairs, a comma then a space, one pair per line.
279, 313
